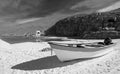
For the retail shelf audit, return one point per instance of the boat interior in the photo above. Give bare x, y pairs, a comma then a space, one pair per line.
83, 45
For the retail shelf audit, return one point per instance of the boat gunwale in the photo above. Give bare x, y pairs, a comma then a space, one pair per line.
84, 49
60, 44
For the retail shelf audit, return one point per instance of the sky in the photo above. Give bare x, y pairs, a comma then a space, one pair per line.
48, 7
44, 8
19, 16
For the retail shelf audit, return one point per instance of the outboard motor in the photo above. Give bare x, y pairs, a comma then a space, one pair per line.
108, 41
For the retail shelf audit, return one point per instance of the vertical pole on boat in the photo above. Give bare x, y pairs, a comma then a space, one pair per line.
51, 51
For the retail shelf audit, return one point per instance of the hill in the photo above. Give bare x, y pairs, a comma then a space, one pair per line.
83, 26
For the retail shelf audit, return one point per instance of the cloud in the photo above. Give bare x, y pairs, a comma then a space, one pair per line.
48, 7
109, 8
44, 8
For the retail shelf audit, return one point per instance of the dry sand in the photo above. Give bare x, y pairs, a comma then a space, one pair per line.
26, 58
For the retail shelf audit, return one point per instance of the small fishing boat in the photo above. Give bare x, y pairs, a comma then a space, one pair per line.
66, 52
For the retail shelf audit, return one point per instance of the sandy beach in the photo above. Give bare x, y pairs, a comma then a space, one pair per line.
27, 58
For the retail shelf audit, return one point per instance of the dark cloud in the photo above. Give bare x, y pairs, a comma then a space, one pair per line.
42, 8
48, 7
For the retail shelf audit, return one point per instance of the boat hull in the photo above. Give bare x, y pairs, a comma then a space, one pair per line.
65, 53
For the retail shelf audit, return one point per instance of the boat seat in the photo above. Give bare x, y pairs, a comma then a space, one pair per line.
80, 46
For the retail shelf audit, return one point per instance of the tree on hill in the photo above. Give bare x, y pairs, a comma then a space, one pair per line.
79, 25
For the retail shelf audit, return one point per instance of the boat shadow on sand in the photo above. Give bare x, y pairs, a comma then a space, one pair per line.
47, 63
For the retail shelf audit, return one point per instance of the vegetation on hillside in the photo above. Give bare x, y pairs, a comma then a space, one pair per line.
85, 25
